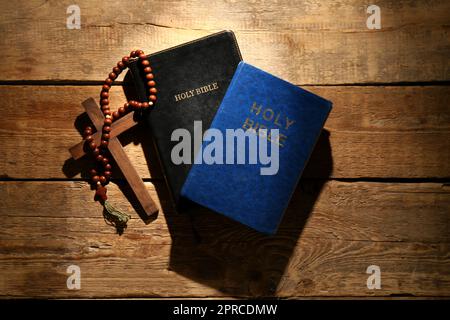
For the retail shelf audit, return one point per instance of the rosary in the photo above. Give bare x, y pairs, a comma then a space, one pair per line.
101, 173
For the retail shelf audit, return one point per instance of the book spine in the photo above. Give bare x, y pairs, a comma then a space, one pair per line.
190, 177
138, 81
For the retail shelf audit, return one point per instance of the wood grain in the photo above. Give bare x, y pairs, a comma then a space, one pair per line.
323, 247
381, 127
373, 132
305, 42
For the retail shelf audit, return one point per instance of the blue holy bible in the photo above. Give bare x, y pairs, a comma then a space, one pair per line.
241, 180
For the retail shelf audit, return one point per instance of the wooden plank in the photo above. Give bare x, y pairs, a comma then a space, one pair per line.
51, 137
328, 40
377, 209
330, 235
374, 131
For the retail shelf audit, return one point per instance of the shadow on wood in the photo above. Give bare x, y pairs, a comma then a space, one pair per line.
225, 254
233, 258
71, 166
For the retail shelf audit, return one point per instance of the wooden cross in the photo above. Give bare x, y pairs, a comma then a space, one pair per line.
117, 151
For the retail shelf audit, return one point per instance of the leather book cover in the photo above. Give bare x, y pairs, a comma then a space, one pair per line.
256, 99
191, 79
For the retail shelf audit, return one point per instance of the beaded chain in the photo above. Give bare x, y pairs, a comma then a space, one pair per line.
101, 173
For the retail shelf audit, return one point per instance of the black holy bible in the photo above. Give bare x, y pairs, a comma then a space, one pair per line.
191, 79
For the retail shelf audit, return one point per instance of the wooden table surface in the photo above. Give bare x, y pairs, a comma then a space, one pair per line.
376, 191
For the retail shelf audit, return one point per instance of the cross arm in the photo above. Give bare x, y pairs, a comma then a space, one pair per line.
119, 126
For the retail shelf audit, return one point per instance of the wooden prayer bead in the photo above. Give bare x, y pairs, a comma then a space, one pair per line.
96, 152
100, 193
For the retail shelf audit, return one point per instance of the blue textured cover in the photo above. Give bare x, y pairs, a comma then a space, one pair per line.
239, 191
